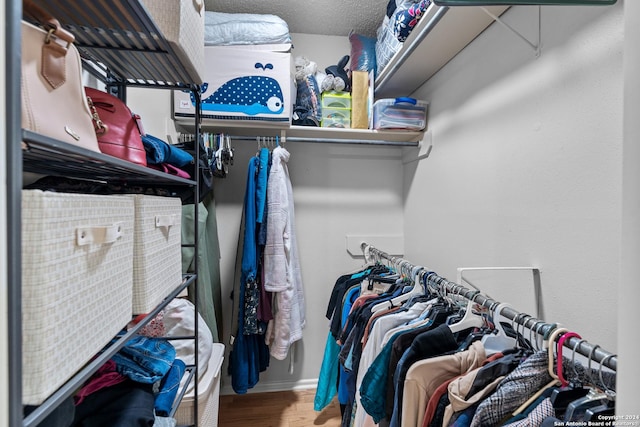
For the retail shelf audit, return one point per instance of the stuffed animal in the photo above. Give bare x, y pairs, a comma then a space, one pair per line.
337, 76
304, 68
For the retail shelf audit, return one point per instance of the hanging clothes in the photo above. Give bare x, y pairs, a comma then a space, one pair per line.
429, 356
249, 355
345, 291
209, 282
282, 275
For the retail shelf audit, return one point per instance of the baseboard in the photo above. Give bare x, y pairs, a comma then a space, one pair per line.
264, 387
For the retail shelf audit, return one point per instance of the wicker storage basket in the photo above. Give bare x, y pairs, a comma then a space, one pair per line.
157, 262
182, 24
208, 394
77, 274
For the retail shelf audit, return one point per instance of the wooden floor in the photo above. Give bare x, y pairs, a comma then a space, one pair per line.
277, 409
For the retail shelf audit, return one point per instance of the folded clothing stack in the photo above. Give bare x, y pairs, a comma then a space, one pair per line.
400, 113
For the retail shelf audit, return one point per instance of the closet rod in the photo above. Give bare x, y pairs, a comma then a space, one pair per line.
334, 140
590, 351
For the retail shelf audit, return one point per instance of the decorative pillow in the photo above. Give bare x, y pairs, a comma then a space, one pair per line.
179, 320
406, 20
244, 28
387, 44
363, 53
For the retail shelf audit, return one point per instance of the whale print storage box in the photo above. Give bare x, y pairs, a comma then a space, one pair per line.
243, 83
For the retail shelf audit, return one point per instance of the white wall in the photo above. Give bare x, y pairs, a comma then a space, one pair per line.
323, 50
526, 163
629, 295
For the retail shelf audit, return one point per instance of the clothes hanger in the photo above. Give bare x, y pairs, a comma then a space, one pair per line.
366, 251
400, 299
538, 335
559, 362
577, 409
561, 397
533, 333
550, 344
497, 340
608, 408
469, 319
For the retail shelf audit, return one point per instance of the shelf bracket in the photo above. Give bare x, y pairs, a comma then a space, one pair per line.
537, 286
535, 46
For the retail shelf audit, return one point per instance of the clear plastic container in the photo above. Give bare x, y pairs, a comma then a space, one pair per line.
333, 99
336, 118
400, 113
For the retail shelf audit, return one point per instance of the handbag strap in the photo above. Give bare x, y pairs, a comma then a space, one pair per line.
99, 126
53, 52
51, 24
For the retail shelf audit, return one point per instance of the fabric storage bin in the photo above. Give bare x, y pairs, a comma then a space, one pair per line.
400, 113
256, 83
333, 99
208, 394
157, 259
182, 25
77, 273
336, 118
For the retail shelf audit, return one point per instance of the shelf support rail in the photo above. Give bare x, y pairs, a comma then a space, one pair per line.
13, 179
537, 286
535, 46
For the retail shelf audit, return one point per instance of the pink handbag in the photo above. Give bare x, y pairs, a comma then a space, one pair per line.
117, 128
53, 99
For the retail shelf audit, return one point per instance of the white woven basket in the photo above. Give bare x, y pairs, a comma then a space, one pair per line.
77, 274
182, 24
208, 394
157, 262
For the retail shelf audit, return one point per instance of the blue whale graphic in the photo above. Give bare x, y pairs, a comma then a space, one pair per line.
250, 95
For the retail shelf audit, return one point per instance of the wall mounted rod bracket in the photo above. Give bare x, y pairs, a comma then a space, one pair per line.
536, 281
535, 46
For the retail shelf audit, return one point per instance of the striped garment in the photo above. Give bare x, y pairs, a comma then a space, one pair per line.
513, 391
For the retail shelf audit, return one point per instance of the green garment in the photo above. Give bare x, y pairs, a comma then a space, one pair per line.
209, 284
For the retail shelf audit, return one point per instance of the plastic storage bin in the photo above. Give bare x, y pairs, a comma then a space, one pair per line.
336, 117
157, 259
400, 113
333, 99
77, 274
208, 394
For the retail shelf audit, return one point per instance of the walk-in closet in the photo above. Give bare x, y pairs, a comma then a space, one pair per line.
352, 275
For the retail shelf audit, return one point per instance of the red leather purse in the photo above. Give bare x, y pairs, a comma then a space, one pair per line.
116, 127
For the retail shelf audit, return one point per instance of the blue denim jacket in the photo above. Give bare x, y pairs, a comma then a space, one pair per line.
145, 360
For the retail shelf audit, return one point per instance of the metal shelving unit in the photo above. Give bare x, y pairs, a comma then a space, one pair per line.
121, 45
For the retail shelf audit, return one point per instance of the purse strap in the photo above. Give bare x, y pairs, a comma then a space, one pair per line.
51, 24
53, 51
99, 126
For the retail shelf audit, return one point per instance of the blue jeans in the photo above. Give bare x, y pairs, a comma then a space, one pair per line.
169, 388
145, 360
